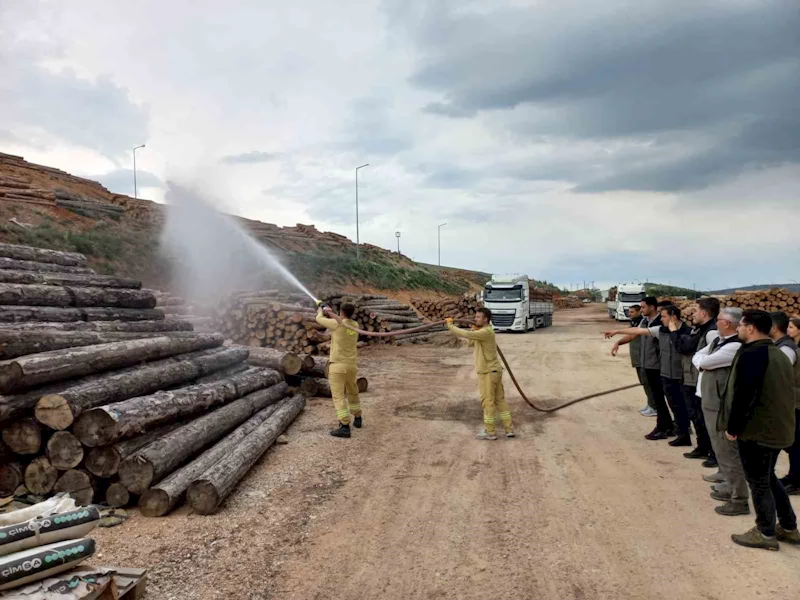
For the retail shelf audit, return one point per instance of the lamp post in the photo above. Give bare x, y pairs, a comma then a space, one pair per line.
440, 247
397, 235
135, 190
358, 237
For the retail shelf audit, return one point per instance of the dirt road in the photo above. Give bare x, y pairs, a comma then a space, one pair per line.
579, 506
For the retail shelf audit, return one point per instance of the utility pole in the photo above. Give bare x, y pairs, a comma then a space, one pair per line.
397, 235
135, 190
358, 236
440, 247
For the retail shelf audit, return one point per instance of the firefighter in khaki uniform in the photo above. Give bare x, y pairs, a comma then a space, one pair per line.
343, 367
490, 374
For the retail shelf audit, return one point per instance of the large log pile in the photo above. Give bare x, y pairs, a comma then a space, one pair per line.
106, 410
441, 308
567, 302
772, 300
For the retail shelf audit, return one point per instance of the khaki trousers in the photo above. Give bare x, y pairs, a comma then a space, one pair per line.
493, 401
344, 391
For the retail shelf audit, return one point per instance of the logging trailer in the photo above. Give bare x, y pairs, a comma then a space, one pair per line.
516, 304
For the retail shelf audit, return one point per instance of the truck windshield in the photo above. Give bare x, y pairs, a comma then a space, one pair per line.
623, 297
503, 295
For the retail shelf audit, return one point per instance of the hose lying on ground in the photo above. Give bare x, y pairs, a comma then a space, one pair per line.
502, 357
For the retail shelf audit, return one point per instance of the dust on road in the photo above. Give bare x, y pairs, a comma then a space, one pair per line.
579, 506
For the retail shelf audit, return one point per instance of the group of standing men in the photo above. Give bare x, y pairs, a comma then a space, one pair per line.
736, 376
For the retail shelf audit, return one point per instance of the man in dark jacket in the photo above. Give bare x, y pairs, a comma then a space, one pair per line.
759, 414
702, 334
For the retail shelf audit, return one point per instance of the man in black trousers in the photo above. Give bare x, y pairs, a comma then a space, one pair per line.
759, 414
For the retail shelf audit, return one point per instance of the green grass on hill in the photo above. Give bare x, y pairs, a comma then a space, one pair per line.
659, 290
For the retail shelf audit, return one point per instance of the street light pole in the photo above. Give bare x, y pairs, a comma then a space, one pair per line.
397, 235
358, 236
440, 247
135, 190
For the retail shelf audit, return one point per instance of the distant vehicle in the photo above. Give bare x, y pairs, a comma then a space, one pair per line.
622, 297
517, 304
587, 301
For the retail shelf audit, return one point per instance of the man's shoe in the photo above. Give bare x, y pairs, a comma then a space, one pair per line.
722, 488
681, 440
645, 409
672, 432
649, 412
711, 463
510, 434
485, 435
343, 431
790, 488
696, 453
357, 422
722, 497
656, 434
755, 539
714, 477
790, 537
733, 509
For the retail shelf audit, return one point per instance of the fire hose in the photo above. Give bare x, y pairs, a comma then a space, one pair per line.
530, 403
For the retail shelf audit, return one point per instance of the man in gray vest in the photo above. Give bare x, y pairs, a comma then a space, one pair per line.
758, 413
702, 334
713, 364
651, 363
635, 349
780, 335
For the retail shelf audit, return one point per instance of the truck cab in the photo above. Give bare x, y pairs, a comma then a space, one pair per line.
516, 304
622, 297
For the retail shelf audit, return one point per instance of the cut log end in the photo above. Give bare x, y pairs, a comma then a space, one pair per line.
54, 412
64, 451
103, 462
154, 503
363, 384
202, 496
78, 485
11, 477
117, 496
23, 436
136, 474
95, 428
10, 375
41, 476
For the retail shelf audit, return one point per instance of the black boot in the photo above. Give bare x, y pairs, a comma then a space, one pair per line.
711, 462
656, 434
342, 432
697, 453
682, 440
357, 422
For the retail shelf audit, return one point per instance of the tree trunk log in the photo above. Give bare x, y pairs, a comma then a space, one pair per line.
17, 314
23, 436
280, 360
207, 493
11, 477
77, 484
104, 461
102, 326
13, 264
121, 420
40, 476
14, 343
104, 388
309, 387
162, 498
64, 451
45, 367
318, 369
117, 496
70, 279
72, 259
157, 460
17, 294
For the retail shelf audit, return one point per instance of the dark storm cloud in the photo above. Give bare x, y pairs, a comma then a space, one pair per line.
729, 71
250, 158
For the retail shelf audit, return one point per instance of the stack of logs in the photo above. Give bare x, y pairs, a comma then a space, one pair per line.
441, 308
567, 302
104, 398
769, 300
274, 319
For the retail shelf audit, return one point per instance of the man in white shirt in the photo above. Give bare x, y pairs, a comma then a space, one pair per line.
713, 364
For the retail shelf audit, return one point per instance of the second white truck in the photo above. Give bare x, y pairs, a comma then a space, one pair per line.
622, 298
517, 304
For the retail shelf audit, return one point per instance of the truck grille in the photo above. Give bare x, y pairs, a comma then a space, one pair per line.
502, 320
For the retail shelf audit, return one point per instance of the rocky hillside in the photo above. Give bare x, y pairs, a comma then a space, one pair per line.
47, 207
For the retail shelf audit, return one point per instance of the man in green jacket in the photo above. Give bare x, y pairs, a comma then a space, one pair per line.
759, 414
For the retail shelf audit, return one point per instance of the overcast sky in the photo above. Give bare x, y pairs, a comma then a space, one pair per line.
603, 140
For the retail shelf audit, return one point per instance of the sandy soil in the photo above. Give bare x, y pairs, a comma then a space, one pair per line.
579, 506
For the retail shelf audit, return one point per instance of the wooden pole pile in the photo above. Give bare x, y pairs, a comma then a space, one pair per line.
441, 308
567, 302
772, 300
107, 410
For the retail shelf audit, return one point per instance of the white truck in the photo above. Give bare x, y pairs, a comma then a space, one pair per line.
517, 304
622, 297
